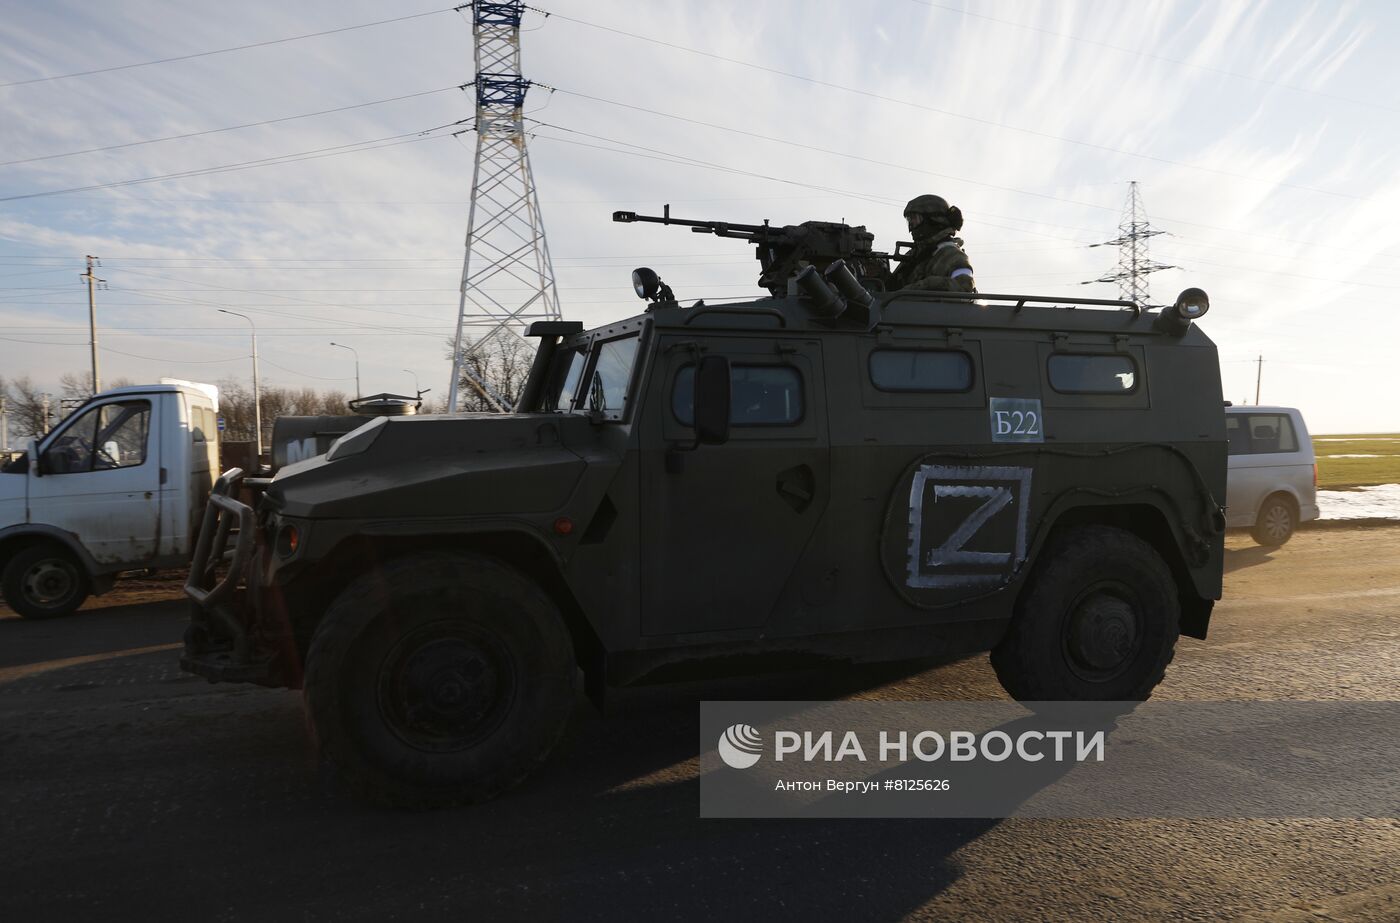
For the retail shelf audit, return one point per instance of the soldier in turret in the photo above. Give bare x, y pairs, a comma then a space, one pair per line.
937, 262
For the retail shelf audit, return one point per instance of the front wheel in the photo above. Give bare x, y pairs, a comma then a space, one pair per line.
1097, 622
439, 679
44, 581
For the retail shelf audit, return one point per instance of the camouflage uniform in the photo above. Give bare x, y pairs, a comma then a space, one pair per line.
937, 262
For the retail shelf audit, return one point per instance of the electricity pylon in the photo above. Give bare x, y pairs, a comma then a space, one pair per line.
1133, 263
507, 276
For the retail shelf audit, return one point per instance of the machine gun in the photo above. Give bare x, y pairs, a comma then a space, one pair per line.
785, 251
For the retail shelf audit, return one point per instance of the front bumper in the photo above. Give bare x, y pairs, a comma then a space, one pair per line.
219, 642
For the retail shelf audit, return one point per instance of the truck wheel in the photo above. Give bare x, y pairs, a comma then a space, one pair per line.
439, 679
1275, 523
44, 581
1097, 622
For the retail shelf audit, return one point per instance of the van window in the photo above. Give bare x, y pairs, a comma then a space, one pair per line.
1260, 433
920, 370
1082, 374
759, 395
197, 424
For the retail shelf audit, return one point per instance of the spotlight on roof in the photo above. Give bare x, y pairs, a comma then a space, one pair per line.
1176, 320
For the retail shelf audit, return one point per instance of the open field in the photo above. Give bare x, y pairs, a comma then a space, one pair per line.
1357, 460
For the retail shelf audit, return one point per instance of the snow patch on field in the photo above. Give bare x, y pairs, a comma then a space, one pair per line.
1349, 456
1378, 502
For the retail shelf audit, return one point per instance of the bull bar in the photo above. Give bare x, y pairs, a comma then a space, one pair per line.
217, 642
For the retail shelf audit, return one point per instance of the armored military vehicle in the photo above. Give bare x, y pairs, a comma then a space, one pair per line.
831, 471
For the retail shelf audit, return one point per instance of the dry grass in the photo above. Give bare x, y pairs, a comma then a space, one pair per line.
1382, 467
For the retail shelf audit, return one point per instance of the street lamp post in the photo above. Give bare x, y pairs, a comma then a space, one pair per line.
357, 366
415, 380
257, 394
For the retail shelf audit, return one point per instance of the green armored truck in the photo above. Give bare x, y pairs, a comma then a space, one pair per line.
831, 471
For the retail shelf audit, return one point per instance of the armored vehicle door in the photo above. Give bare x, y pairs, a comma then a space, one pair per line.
725, 526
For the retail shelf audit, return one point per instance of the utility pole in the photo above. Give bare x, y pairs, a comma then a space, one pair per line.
44, 405
1258, 378
4, 425
257, 393
92, 318
357, 366
1133, 263
507, 275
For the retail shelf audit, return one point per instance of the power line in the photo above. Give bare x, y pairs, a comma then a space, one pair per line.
308, 374
213, 131
869, 94
411, 137
823, 150
203, 54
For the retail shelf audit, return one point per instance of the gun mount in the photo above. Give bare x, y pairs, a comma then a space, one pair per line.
785, 251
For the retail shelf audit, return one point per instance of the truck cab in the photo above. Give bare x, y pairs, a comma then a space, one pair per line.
821, 476
118, 485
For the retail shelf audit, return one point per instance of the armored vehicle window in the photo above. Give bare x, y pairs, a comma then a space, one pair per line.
612, 371
759, 395
1092, 374
564, 379
920, 370
1260, 433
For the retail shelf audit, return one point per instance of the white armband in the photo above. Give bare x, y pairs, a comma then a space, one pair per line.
960, 272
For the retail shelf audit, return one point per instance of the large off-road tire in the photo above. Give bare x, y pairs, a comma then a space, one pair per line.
1275, 523
1098, 621
44, 581
438, 679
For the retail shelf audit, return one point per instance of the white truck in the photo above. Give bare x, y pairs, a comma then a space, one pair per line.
119, 485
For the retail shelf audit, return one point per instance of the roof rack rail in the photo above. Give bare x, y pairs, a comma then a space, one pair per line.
1022, 300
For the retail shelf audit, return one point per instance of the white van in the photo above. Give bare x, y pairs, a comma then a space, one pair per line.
1272, 483
119, 485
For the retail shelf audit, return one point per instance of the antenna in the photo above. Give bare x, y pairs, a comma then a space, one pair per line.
1133, 262
507, 275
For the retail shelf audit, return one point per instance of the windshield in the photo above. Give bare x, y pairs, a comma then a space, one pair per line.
564, 378
611, 373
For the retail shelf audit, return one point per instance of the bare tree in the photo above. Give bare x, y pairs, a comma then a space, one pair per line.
501, 363
32, 412
76, 386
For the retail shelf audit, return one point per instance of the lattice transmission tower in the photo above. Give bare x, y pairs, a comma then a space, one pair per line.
1133, 262
507, 276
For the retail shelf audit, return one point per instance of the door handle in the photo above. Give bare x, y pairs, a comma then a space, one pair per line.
797, 486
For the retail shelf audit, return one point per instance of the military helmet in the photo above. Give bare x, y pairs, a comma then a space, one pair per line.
926, 205
935, 215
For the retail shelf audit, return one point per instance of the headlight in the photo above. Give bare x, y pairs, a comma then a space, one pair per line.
287, 540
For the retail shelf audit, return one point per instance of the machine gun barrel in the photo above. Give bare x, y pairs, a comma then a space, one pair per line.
784, 252
750, 232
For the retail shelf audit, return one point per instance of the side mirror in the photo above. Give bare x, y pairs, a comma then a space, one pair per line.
712, 400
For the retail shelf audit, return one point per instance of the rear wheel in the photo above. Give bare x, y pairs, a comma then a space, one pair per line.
1097, 622
1275, 523
44, 581
439, 679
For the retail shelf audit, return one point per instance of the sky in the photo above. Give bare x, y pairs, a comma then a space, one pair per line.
1265, 138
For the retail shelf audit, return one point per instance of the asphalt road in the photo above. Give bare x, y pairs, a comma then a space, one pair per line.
129, 790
